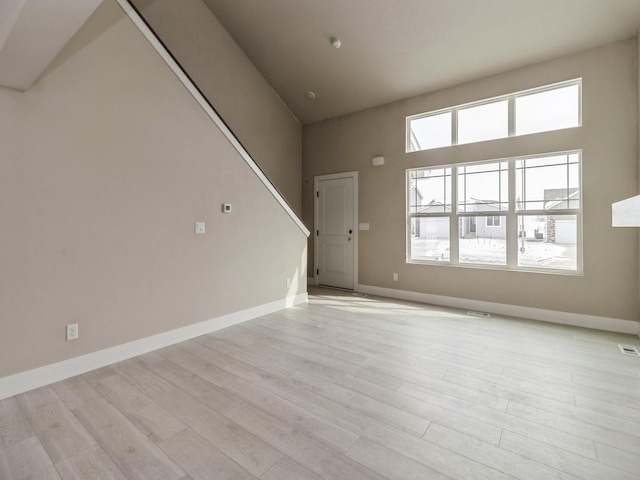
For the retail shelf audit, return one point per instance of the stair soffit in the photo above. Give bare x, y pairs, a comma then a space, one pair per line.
32, 33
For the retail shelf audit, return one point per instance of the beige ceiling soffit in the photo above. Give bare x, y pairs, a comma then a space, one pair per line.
9, 10
626, 213
33, 32
191, 88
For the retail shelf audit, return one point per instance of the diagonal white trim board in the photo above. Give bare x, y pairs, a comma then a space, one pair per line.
175, 68
39, 377
552, 316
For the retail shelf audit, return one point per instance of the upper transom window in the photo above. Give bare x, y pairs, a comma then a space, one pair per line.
552, 107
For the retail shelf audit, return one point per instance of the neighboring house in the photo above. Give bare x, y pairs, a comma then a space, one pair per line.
552, 228
484, 226
433, 227
481, 226
562, 229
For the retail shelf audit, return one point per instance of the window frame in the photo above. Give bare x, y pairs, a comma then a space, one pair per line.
411, 140
511, 216
493, 221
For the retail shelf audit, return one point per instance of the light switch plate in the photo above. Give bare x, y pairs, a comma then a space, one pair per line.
363, 226
200, 227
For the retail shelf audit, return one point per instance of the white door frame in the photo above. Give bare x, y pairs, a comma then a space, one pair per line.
333, 176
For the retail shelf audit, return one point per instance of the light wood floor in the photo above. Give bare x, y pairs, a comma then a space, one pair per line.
345, 387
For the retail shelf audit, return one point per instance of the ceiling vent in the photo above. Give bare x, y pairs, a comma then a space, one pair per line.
478, 314
629, 350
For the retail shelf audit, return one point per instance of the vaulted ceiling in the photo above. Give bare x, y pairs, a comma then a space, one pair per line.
393, 49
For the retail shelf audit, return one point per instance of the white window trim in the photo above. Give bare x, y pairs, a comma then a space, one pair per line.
511, 216
510, 112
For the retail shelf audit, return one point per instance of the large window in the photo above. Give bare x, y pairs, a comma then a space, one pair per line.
552, 107
521, 213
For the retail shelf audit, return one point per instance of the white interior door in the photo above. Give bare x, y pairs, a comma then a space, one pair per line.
335, 231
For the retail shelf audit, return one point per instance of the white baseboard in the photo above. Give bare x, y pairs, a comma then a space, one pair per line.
41, 376
551, 316
312, 281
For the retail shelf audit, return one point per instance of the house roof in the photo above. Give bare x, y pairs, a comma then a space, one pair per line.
554, 197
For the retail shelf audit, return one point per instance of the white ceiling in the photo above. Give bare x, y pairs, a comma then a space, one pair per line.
393, 49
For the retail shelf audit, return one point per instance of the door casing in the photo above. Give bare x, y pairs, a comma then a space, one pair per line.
356, 232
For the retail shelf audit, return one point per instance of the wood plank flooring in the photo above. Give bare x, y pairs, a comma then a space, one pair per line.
345, 387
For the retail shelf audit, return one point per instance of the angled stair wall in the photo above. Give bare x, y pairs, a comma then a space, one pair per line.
233, 86
108, 160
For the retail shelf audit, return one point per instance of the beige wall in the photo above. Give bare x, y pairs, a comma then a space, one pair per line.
238, 92
608, 137
106, 164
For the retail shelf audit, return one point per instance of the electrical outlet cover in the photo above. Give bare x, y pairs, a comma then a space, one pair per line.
72, 331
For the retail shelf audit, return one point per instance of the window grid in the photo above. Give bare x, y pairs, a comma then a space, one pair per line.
464, 204
568, 193
512, 218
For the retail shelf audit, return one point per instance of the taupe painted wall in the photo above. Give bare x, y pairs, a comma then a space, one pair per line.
608, 137
106, 164
239, 93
